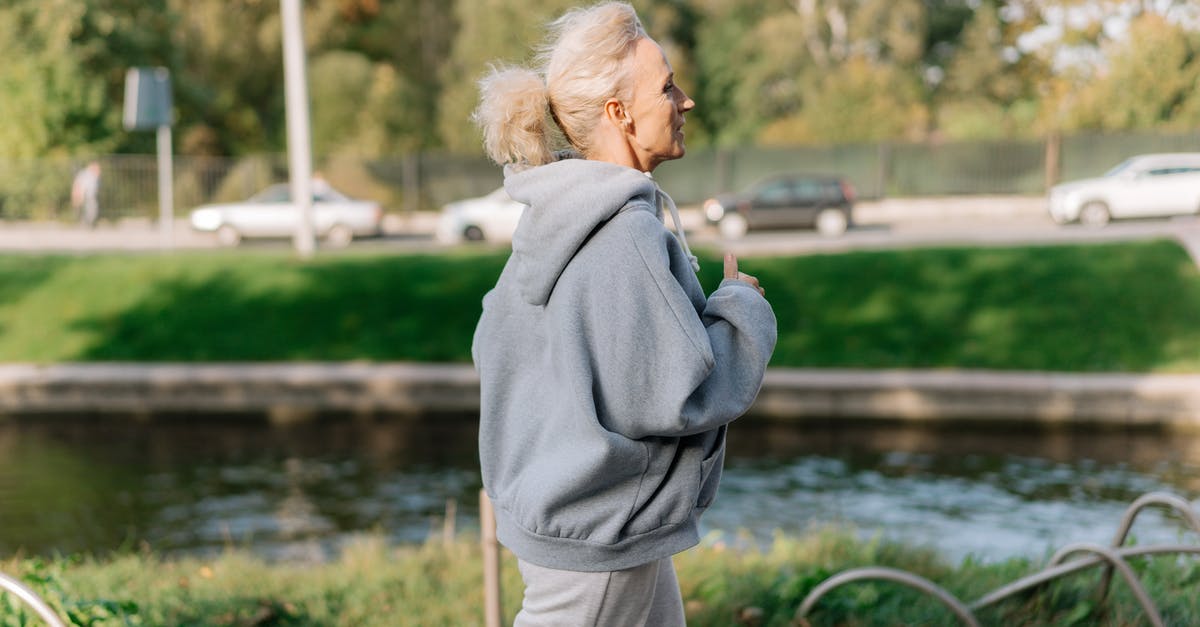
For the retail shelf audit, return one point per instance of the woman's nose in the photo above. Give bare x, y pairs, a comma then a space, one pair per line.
687, 104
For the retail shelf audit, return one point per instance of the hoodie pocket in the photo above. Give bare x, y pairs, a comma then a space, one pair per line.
710, 471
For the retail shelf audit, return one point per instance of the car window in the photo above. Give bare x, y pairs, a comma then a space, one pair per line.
832, 190
1172, 170
274, 193
330, 195
1121, 167
775, 191
808, 190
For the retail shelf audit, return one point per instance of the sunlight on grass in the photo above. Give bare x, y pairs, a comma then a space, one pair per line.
372, 583
1102, 307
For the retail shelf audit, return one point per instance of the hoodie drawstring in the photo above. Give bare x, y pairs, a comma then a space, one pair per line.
663, 199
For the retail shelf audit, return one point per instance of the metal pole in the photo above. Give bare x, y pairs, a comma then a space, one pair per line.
30, 598
491, 562
299, 145
166, 188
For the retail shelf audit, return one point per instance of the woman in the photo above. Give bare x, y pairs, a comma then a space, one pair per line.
607, 376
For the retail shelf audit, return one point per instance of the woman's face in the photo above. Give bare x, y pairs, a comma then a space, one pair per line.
656, 107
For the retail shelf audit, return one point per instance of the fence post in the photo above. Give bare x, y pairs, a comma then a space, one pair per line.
883, 168
1053, 159
410, 177
491, 562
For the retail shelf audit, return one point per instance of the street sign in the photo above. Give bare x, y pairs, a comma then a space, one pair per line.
147, 98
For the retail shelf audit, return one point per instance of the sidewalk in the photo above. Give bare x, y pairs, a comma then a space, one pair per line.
292, 392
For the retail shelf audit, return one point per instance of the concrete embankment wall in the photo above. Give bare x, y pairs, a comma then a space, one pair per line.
285, 392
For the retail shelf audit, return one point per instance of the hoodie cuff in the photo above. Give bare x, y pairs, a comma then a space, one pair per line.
736, 282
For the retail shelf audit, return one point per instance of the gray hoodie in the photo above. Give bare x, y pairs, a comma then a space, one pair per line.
607, 378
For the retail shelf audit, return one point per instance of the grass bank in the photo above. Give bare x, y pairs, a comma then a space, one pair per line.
1101, 307
438, 585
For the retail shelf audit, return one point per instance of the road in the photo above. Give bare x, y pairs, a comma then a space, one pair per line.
891, 223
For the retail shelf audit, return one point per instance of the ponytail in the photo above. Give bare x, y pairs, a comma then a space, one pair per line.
582, 64
514, 113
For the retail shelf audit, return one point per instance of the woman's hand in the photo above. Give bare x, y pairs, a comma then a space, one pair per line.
731, 272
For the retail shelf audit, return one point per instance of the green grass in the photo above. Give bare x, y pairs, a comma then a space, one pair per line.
1103, 307
373, 584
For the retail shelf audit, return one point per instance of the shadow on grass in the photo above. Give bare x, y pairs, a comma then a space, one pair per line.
336, 308
1104, 307
1111, 307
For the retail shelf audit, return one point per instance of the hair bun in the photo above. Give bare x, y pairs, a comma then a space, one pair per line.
513, 111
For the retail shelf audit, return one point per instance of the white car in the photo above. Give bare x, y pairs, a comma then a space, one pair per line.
270, 213
1154, 185
491, 218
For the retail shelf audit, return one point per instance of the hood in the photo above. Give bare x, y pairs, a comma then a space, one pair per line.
567, 200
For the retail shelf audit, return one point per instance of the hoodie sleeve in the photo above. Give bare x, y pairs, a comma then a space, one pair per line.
665, 360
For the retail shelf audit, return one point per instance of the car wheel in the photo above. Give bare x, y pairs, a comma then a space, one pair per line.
831, 222
339, 236
228, 236
733, 226
1094, 214
473, 234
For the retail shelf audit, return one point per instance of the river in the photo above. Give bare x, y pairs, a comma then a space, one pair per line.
197, 485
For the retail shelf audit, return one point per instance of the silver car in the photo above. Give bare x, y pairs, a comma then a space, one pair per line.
1145, 186
491, 218
270, 213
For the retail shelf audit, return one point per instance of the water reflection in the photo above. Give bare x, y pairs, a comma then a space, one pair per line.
300, 492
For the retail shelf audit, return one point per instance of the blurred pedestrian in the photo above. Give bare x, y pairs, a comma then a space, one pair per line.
85, 194
320, 187
607, 376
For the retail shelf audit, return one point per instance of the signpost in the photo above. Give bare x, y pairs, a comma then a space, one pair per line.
148, 106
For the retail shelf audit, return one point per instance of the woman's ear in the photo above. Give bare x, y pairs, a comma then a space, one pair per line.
616, 114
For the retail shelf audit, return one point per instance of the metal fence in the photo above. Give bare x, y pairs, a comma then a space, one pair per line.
40, 189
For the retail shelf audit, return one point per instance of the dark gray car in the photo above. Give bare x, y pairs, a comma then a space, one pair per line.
794, 201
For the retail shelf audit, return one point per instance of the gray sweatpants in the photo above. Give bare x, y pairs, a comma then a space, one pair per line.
646, 596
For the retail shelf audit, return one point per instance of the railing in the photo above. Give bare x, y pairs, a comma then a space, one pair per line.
1113, 558
40, 189
30, 598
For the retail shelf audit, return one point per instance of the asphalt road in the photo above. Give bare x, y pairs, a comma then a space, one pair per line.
892, 223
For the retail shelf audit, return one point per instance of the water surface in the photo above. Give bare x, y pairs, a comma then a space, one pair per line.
196, 485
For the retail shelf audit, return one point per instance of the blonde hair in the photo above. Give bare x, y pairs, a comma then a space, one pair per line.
580, 66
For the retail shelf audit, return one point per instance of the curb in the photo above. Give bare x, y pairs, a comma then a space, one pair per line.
291, 392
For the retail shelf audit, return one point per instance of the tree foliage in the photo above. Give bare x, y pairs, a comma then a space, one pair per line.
390, 77
1150, 81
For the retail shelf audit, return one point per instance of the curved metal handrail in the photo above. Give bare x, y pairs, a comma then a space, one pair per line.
1166, 499
1115, 561
1112, 558
1072, 566
888, 574
40, 607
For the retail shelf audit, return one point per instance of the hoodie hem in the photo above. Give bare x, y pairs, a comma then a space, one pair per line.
583, 556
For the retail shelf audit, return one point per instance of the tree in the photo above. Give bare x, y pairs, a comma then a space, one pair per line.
989, 82
1149, 82
861, 101
720, 55
831, 70
408, 41
230, 75
63, 69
